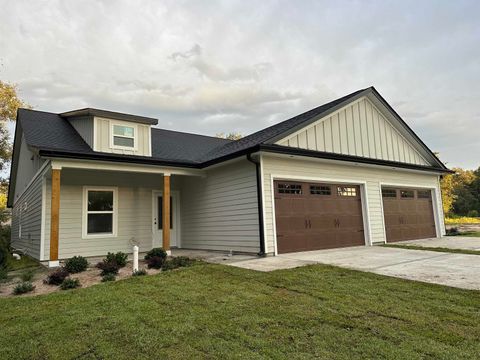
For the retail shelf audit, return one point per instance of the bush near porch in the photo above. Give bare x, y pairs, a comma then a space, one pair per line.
217, 311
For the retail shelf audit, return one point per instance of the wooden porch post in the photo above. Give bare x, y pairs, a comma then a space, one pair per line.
166, 213
55, 217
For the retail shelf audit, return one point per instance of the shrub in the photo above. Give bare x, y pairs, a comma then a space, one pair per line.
3, 273
155, 262
57, 276
180, 261
69, 283
76, 264
139, 272
108, 277
453, 231
156, 252
472, 213
120, 258
156, 258
28, 275
108, 267
23, 287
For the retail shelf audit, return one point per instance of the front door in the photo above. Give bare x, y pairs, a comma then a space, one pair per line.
157, 220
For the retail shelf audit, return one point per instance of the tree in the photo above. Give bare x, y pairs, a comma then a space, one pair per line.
9, 104
230, 136
448, 196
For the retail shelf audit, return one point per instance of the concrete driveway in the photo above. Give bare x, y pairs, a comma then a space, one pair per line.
457, 270
451, 242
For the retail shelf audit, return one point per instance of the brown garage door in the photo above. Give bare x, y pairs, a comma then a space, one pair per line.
313, 216
408, 214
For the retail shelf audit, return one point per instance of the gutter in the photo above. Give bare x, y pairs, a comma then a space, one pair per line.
260, 203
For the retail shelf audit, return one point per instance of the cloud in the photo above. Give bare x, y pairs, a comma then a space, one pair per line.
222, 66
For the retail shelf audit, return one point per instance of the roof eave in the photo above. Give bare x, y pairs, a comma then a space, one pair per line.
278, 149
49, 153
109, 115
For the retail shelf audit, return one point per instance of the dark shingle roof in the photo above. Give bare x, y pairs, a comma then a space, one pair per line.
48, 131
55, 136
263, 136
174, 145
45, 130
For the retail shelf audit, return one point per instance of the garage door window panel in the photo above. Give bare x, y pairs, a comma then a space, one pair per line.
346, 191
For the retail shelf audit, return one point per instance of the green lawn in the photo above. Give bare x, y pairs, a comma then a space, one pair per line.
215, 311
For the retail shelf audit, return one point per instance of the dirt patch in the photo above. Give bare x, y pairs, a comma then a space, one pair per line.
87, 278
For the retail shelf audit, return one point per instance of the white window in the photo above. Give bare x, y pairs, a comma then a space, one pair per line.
99, 212
123, 136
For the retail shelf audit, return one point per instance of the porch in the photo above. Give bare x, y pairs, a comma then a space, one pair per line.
93, 209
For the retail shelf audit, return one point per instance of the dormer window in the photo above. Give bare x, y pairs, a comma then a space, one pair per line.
124, 136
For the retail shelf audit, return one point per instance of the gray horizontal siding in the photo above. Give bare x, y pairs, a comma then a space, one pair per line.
220, 211
27, 212
134, 212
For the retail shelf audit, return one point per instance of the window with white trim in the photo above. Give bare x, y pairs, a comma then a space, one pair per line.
123, 136
100, 211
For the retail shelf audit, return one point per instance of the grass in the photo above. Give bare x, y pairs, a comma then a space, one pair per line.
215, 311
470, 234
25, 262
438, 249
458, 220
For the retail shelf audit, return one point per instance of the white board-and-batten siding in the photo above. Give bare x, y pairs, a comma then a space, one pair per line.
103, 137
372, 178
358, 129
220, 211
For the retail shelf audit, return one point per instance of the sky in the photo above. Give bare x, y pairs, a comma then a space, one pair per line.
238, 66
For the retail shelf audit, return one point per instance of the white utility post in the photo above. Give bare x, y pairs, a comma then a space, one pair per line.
135, 258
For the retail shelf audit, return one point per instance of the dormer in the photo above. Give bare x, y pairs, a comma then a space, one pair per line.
112, 132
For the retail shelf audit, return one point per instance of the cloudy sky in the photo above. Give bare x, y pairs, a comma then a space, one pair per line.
210, 67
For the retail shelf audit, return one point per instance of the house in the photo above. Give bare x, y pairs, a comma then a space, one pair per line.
350, 172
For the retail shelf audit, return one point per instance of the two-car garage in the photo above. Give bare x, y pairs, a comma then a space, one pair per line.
314, 216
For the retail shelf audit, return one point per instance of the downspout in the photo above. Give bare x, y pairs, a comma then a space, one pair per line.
260, 204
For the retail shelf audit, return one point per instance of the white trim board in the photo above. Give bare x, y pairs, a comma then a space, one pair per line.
123, 167
114, 232
43, 219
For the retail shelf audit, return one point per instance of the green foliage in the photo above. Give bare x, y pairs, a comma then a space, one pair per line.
27, 275
461, 193
473, 213
108, 277
23, 287
452, 232
108, 267
3, 273
57, 276
176, 262
9, 104
156, 252
70, 283
156, 258
119, 258
139, 272
76, 264
4, 245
